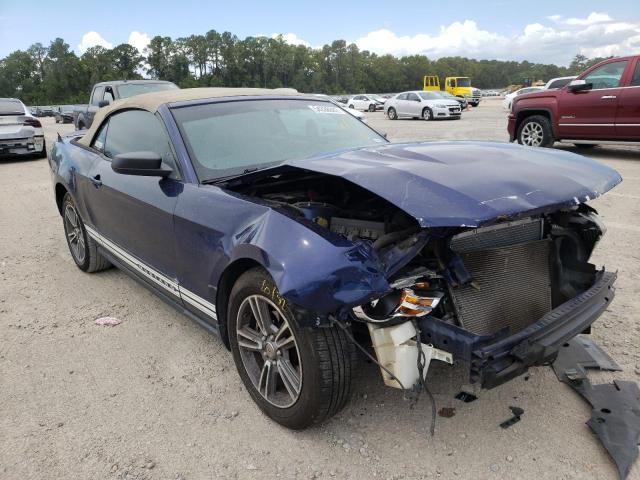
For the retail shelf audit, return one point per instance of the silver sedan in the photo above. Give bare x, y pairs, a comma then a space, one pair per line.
420, 104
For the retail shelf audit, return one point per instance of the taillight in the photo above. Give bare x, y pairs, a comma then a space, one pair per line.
32, 122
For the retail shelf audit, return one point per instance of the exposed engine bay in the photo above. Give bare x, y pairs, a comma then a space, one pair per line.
490, 283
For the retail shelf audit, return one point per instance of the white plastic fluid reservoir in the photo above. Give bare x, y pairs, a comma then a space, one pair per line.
398, 352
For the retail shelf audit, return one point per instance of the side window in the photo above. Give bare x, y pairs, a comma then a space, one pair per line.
138, 131
412, 96
635, 80
98, 141
98, 92
606, 76
402, 96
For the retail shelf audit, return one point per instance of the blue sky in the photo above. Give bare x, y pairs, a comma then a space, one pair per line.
539, 30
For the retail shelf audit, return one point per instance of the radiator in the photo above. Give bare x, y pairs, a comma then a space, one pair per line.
510, 265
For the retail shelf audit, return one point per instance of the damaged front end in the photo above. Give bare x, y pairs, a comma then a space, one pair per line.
501, 297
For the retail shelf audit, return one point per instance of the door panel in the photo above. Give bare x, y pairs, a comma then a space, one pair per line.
587, 114
592, 113
136, 213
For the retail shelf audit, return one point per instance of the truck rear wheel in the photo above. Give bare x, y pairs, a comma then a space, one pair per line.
535, 131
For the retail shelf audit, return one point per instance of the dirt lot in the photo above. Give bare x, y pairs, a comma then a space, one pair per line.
157, 397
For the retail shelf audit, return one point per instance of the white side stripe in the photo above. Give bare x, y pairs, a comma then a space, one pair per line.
156, 277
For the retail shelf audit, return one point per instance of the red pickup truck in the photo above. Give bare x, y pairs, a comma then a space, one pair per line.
601, 104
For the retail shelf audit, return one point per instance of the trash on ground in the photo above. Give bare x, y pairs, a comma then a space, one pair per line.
109, 321
517, 413
447, 412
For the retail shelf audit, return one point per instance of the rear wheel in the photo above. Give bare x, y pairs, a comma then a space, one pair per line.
83, 248
297, 376
535, 131
427, 114
351, 106
391, 113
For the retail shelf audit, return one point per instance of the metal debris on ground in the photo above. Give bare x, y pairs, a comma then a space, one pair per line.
466, 397
517, 413
615, 414
109, 321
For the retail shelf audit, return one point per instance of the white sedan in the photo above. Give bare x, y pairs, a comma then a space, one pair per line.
367, 102
20, 132
508, 99
425, 105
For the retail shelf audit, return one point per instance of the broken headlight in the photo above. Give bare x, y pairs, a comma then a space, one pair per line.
415, 301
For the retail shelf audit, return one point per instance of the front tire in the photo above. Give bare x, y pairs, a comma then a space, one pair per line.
297, 376
372, 108
391, 113
83, 248
427, 114
535, 131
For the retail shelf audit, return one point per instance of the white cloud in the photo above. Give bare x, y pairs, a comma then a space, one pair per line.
593, 18
557, 42
292, 39
91, 39
139, 40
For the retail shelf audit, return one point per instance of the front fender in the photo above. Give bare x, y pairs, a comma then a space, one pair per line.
313, 269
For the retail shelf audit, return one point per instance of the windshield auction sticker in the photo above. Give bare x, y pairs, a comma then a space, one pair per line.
327, 109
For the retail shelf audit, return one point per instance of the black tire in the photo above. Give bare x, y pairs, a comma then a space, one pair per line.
475, 105
351, 106
391, 113
80, 126
584, 146
535, 131
326, 357
372, 108
427, 113
92, 261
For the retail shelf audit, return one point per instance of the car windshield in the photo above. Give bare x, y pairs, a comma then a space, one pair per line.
131, 89
229, 138
429, 95
446, 95
11, 107
464, 82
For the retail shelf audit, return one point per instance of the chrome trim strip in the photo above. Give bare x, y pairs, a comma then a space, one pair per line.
587, 124
158, 278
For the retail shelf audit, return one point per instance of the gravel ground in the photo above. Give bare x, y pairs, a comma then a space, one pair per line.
157, 397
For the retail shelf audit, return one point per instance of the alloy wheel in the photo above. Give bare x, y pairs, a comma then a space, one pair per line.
269, 351
532, 134
426, 114
74, 233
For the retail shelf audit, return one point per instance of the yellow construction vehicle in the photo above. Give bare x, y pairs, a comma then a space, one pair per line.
456, 86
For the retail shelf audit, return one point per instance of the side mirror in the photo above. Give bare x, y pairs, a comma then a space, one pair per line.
103, 103
148, 164
579, 85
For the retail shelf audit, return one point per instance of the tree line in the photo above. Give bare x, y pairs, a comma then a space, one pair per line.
56, 75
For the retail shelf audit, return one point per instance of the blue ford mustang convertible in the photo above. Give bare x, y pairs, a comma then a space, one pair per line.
300, 234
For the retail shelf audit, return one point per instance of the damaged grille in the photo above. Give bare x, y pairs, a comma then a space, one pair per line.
511, 269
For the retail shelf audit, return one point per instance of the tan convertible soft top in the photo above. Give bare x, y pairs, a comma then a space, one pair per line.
152, 101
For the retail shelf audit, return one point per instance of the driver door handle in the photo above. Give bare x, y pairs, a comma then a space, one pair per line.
606, 97
96, 180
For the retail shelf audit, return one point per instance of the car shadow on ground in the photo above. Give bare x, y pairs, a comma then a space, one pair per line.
604, 152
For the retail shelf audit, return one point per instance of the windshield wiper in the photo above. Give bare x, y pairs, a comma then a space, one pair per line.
213, 181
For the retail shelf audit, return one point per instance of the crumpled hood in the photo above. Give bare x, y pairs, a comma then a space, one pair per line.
456, 184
